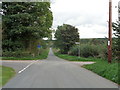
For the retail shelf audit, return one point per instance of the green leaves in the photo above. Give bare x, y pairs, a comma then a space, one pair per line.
116, 44
66, 36
26, 20
19, 15
116, 27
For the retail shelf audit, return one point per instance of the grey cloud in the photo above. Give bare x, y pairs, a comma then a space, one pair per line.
78, 19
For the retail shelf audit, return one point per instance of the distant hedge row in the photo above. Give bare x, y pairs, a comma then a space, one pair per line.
87, 50
21, 53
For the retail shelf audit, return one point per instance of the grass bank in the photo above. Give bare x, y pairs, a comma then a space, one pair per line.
101, 67
6, 74
72, 58
43, 55
108, 71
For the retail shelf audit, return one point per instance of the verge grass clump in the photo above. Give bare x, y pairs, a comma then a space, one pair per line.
102, 68
7, 73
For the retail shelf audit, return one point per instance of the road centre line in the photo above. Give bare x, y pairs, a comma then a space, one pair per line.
27, 66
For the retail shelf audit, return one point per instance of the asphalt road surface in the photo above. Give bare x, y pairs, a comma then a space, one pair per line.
54, 73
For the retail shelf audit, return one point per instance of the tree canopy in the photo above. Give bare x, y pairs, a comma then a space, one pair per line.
66, 36
116, 28
23, 21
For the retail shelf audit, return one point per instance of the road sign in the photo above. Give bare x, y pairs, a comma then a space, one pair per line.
108, 43
77, 42
38, 46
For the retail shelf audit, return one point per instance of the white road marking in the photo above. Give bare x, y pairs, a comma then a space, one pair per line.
27, 66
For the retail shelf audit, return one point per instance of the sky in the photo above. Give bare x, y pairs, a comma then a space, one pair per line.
89, 16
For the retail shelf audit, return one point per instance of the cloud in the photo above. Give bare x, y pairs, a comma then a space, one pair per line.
90, 16
92, 31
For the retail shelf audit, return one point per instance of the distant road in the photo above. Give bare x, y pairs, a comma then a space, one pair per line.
54, 73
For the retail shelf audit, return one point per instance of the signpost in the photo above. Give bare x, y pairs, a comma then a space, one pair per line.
38, 46
79, 48
77, 42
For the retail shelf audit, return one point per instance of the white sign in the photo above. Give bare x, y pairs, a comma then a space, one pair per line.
108, 43
77, 42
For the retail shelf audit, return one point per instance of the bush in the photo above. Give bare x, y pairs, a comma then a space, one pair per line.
8, 45
89, 50
85, 50
15, 54
99, 51
74, 51
103, 52
26, 55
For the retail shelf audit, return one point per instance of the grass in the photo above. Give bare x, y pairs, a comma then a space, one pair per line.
101, 67
6, 74
72, 58
43, 55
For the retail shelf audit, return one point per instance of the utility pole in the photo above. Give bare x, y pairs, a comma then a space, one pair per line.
110, 33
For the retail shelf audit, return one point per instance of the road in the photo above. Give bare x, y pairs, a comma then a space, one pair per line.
55, 73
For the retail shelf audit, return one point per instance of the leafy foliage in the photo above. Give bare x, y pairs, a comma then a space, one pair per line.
25, 21
116, 45
66, 36
25, 55
96, 47
85, 50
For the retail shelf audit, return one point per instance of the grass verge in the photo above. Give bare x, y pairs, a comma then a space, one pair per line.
73, 58
108, 71
6, 74
43, 55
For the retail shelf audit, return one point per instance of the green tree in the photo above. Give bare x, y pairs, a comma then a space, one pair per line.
116, 48
66, 36
24, 22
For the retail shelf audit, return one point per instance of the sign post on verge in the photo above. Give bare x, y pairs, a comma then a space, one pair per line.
78, 43
38, 46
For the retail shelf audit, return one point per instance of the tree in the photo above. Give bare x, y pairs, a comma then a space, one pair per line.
116, 28
24, 22
66, 36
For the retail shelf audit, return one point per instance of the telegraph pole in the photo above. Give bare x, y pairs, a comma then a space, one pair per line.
110, 33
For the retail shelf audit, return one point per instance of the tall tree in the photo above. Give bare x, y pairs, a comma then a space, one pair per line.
25, 21
116, 28
66, 36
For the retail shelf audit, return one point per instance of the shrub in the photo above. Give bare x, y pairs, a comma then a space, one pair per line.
99, 51
85, 50
74, 51
8, 45
15, 54
89, 50
102, 51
